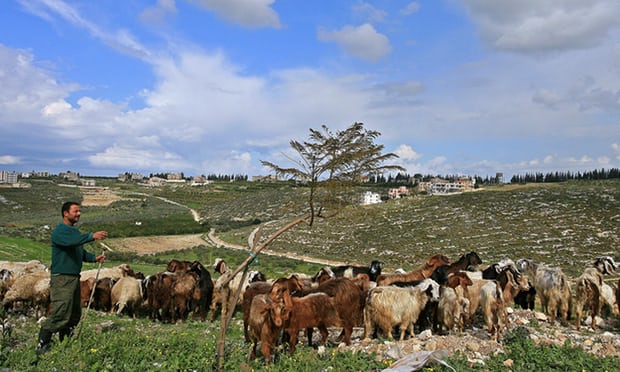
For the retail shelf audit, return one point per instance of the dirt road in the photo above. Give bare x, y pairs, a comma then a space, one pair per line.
163, 243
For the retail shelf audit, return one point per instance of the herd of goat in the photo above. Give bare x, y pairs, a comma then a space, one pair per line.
440, 295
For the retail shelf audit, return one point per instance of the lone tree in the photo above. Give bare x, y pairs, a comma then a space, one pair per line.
327, 160
330, 161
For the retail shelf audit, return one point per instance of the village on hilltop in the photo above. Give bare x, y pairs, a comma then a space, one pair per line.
431, 186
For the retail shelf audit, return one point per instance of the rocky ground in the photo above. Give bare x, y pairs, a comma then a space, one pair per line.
477, 345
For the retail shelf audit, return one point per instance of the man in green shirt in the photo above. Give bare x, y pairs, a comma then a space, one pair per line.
67, 256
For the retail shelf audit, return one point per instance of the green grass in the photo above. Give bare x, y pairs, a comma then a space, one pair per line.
109, 343
22, 249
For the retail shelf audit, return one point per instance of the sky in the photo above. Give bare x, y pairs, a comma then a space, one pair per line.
455, 87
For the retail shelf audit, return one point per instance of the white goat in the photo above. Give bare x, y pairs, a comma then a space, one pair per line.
127, 294
388, 306
452, 310
493, 308
114, 273
551, 286
33, 288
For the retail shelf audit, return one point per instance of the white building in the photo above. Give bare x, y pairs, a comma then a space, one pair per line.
370, 197
8, 177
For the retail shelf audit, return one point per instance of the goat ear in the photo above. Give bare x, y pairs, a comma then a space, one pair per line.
266, 309
609, 266
286, 296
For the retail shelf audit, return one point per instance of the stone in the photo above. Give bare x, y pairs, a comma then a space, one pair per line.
508, 363
473, 346
425, 335
540, 316
394, 352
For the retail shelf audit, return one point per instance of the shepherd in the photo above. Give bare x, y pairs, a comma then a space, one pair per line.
68, 253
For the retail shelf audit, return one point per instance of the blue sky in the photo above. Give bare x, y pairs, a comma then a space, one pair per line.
469, 87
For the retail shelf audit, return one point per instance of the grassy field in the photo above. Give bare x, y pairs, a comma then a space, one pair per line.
565, 225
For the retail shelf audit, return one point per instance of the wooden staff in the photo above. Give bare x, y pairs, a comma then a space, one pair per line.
244, 266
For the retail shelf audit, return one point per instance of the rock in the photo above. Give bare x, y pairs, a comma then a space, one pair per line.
588, 343
425, 335
522, 321
473, 346
431, 345
508, 363
394, 352
105, 327
540, 316
473, 362
321, 350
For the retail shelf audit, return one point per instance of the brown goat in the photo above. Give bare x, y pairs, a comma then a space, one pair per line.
86, 288
423, 272
275, 292
292, 284
184, 290
159, 294
459, 279
265, 322
313, 310
178, 266
252, 290
465, 262
349, 300
102, 299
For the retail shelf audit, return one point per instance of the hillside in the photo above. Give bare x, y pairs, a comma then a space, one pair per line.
564, 224
559, 224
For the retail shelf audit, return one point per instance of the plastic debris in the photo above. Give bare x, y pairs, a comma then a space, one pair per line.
416, 361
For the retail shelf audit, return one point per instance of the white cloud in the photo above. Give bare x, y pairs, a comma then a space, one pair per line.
26, 88
247, 13
121, 40
369, 12
8, 159
616, 149
543, 26
410, 8
547, 98
156, 159
363, 41
156, 14
407, 153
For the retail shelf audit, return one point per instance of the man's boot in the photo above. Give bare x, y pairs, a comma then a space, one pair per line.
65, 332
45, 339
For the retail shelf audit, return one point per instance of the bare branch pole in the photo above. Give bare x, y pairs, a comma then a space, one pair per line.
244, 266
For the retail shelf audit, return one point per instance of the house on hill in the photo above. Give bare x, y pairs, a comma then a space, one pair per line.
370, 197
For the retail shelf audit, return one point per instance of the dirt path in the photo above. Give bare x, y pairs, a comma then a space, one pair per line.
218, 242
163, 243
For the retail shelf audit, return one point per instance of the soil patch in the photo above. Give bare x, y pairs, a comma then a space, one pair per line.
156, 244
